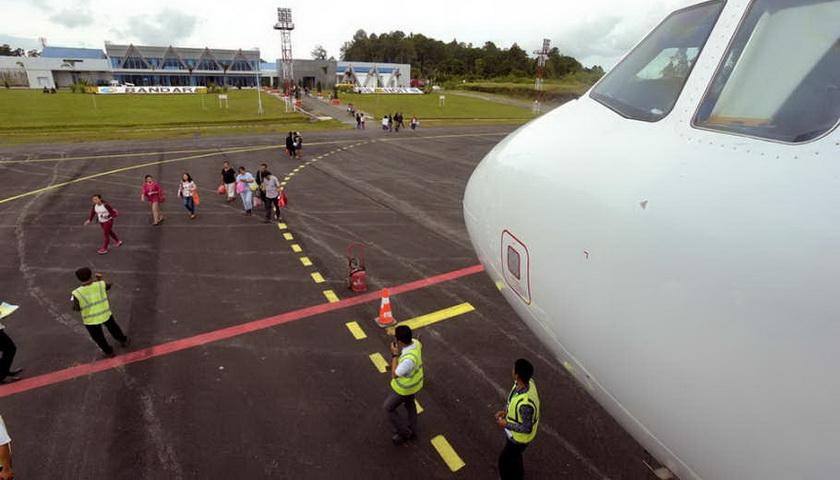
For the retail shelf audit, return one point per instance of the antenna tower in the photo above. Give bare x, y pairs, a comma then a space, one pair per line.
538, 84
285, 25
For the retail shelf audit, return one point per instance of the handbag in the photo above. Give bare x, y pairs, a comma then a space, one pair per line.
196, 198
257, 202
253, 186
283, 200
240, 187
221, 190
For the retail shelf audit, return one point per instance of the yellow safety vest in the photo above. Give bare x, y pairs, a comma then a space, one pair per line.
413, 382
94, 303
516, 400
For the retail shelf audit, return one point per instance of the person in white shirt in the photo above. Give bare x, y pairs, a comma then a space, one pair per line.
271, 191
6, 472
186, 190
105, 215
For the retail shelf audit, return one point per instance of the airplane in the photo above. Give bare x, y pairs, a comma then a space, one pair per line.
673, 238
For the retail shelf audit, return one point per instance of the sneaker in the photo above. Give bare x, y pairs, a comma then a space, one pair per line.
118, 243
15, 372
102, 251
399, 439
192, 216
10, 379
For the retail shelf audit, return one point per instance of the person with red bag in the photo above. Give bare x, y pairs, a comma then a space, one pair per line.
153, 194
188, 193
105, 215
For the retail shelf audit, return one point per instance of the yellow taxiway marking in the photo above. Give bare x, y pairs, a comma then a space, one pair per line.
331, 296
379, 362
288, 236
357, 332
282, 184
287, 179
419, 408
292, 174
296, 248
306, 261
282, 226
445, 450
500, 285
434, 317
317, 277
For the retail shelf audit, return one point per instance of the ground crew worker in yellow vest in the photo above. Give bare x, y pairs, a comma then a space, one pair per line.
91, 299
406, 381
520, 420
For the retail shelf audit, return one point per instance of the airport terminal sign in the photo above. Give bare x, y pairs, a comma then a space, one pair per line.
395, 90
151, 90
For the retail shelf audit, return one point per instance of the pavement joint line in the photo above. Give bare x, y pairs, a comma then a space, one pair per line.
216, 151
356, 330
306, 261
447, 453
434, 317
331, 296
379, 362
317, 277
296, 248
288, 236
87, 369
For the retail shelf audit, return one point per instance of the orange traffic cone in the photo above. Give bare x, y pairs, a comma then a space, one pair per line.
386, 318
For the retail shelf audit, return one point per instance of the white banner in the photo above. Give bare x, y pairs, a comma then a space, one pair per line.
391, 90
151, 90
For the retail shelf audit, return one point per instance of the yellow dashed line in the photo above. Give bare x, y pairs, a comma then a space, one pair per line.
292, 174
317, 277
379, 362
282, 184
282, 226
500, 285
359, 334
306, 261
445, 450
288, 236
287, 179
434, 317
419, 408
296, 248
331, 296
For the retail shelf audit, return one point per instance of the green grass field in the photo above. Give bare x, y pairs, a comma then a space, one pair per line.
456, 109
29, 116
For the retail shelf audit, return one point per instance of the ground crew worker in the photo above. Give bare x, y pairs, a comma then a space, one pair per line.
520, 420
91, 299
6, 472
406, 381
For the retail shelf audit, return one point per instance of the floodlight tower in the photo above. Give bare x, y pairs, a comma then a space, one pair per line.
538, 84
285, 25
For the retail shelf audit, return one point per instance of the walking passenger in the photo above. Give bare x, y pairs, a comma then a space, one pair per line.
290, 145
270, 188
91, 300
187, 192
298, 145
229, 181
245, 186
520, 419
153, 194
105, 215
406, 381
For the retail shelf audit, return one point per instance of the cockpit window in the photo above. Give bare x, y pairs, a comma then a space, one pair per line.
780, 78
646, 84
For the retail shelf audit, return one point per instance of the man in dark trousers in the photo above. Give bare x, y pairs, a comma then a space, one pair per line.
261, 174
7, 349
406, 381
91, 300
290, 145
520, 420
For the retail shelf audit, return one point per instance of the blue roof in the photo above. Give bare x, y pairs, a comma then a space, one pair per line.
366, 69
64, 52
268, 66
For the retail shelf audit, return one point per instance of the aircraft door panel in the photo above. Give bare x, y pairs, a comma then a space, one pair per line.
515, 264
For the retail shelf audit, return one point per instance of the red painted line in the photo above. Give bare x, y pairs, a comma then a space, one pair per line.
216, 335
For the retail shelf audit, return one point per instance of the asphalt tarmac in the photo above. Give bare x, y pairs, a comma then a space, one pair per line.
241, 363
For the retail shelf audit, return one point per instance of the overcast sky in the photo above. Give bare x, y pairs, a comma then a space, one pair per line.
593, 31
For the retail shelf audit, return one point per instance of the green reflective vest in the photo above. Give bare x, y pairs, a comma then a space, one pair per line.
516, 400
94, 303
413, 382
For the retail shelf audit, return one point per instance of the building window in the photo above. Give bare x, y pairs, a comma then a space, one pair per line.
779, 79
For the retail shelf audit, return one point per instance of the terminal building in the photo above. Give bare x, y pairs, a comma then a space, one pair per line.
169, 66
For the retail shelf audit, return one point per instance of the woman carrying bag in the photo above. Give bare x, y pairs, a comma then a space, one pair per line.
188, 193
105, 215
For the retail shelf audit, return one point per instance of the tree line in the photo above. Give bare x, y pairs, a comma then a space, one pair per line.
435, 59
8, 51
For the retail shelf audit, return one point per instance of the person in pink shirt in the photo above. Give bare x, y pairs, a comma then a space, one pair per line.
105, 215
153, 194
